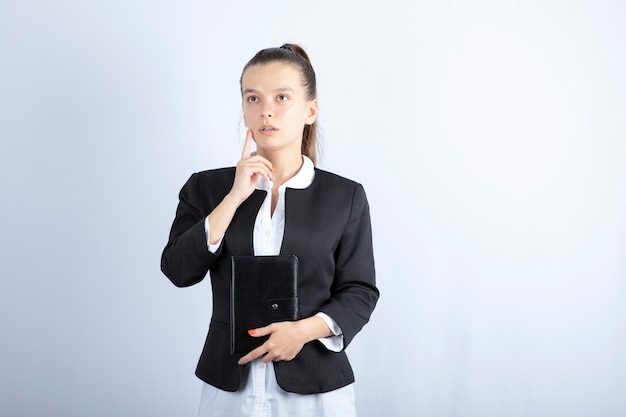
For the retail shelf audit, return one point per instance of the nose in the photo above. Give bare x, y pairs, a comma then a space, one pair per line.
267, 111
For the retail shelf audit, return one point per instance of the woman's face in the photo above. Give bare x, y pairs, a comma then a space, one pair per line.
275, 106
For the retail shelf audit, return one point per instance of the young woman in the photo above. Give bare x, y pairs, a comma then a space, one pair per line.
276, 202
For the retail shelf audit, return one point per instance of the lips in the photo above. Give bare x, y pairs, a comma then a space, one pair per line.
268, 130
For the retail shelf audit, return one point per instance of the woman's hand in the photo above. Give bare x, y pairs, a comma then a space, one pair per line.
286, 339
247, 174
249, 169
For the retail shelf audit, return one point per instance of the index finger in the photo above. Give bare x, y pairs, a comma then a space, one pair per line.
256, 353
246, 146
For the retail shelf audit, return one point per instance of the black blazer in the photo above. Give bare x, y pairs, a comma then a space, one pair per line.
327, 226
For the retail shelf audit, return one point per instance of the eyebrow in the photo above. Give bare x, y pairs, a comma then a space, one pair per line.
276, 90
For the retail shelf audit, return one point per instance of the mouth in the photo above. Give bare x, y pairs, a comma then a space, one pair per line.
268, 130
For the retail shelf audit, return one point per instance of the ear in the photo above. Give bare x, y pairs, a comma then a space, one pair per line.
311, 111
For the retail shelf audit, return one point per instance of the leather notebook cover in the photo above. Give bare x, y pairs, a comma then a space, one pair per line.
263, 290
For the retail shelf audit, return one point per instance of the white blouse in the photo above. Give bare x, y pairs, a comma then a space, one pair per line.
260, 395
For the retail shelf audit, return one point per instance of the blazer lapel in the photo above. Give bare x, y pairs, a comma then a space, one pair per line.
241, 228
302, 222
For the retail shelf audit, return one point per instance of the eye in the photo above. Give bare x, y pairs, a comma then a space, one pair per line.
282, 97
252, 99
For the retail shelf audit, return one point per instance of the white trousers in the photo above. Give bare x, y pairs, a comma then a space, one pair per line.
262, 397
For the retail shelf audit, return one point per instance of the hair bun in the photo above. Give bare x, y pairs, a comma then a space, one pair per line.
296, 49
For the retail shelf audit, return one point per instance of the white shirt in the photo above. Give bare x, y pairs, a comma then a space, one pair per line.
261, 396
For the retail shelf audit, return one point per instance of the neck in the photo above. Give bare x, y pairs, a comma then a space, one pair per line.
286, 166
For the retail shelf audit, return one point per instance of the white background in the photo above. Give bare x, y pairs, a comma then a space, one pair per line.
490, 137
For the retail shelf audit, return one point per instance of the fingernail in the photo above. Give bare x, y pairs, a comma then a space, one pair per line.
247, 132
252, 332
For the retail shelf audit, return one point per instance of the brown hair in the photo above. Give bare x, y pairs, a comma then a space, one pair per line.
295, 55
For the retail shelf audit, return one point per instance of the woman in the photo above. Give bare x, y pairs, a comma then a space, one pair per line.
274, 201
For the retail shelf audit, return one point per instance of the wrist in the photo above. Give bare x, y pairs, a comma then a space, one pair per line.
232, 199
314, 328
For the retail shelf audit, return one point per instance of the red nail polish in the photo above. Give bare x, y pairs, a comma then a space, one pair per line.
251, 332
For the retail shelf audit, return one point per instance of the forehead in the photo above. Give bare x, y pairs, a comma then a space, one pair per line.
271, 76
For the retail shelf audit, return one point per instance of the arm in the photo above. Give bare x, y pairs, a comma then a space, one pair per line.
354, 288
186, 258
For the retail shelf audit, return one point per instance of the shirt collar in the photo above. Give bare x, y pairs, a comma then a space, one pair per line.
302, 179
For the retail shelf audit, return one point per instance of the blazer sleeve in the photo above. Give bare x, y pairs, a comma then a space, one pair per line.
354, 291
186, 258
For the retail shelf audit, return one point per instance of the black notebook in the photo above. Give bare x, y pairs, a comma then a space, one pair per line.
263, 290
